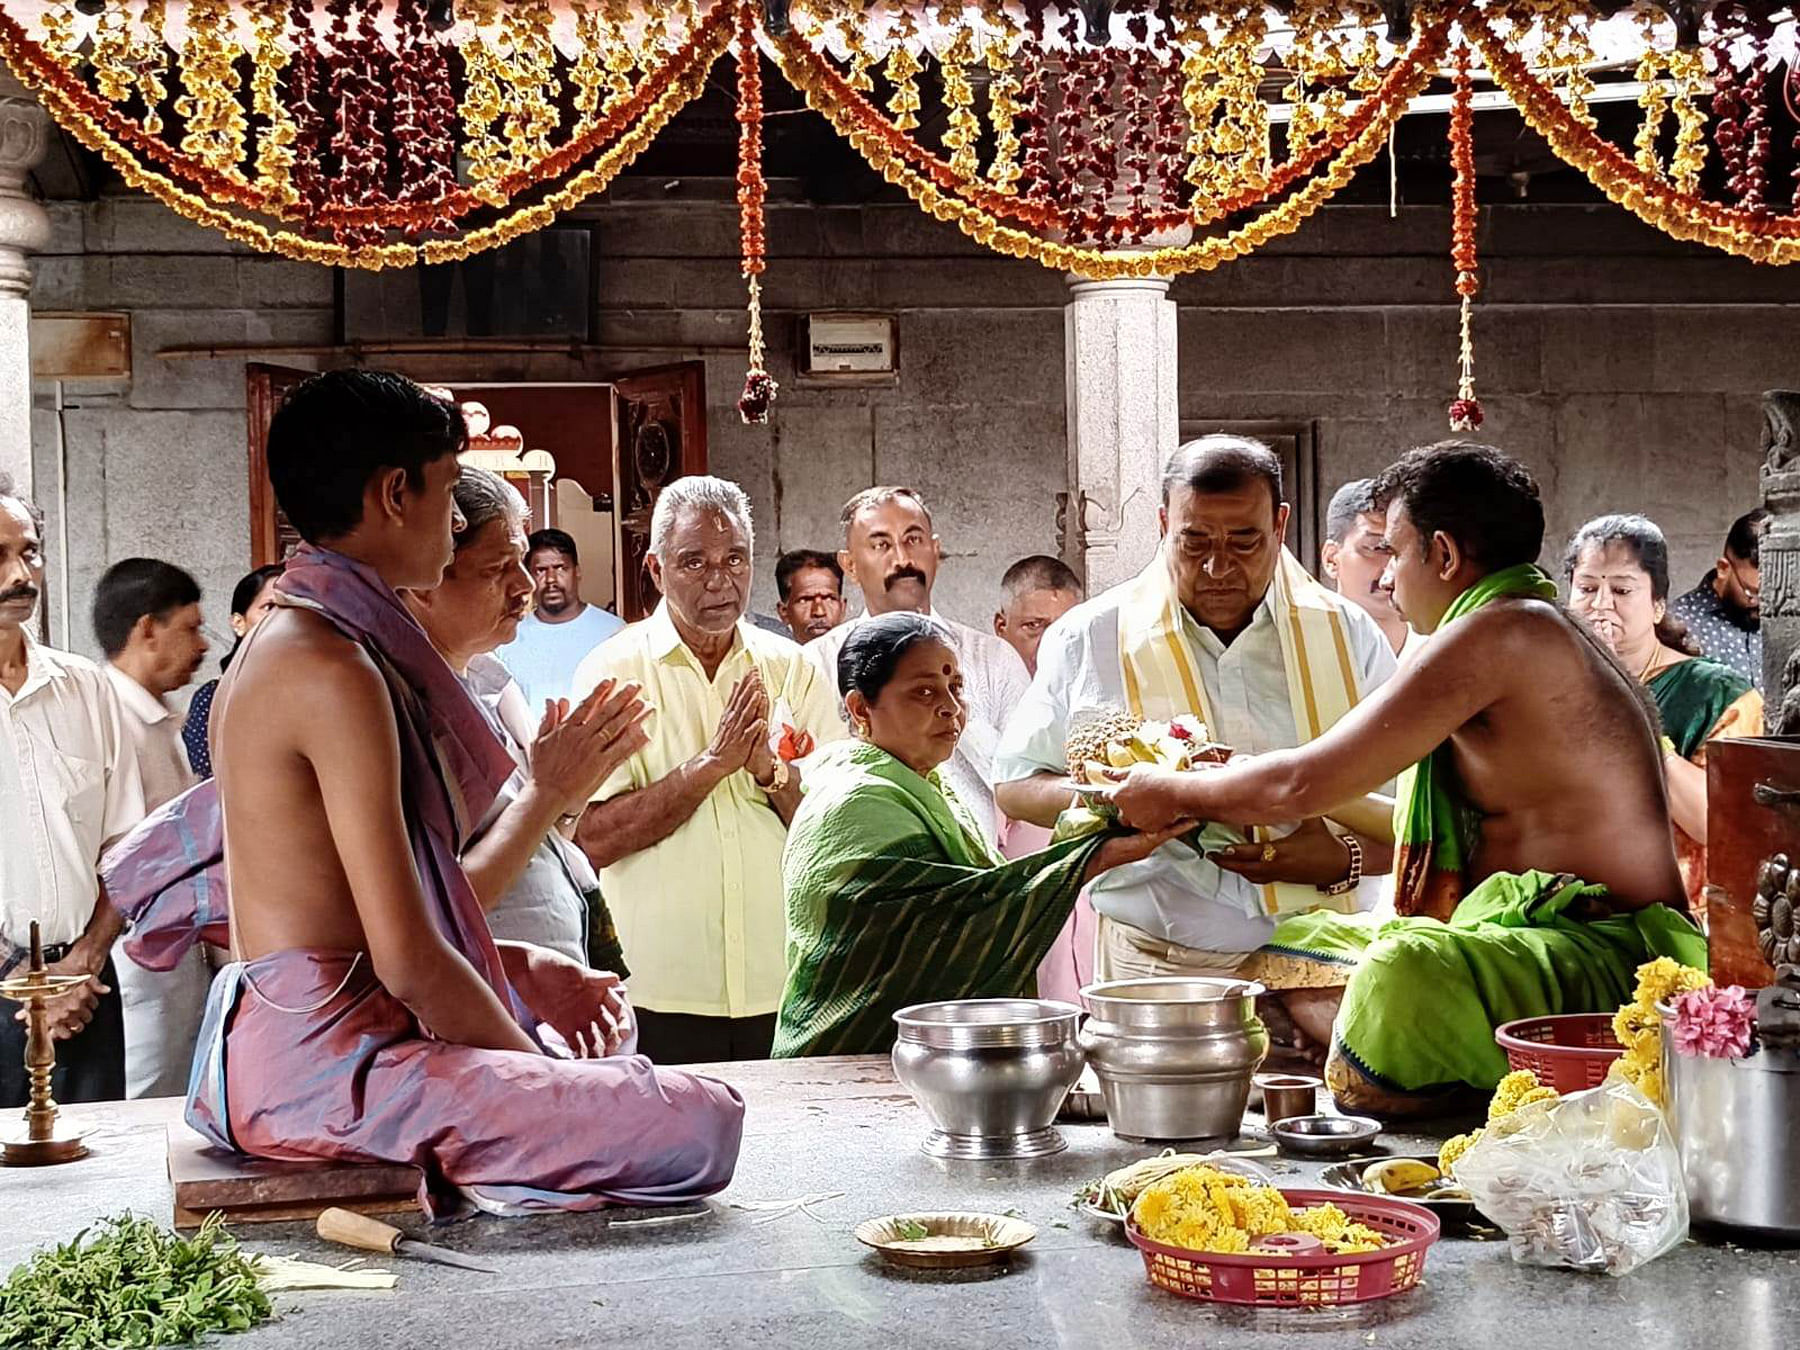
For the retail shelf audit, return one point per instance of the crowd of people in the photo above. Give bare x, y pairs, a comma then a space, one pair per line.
453, 806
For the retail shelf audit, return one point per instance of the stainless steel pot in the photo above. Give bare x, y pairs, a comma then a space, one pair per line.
1174, 1056
989, 1073
1737, 1124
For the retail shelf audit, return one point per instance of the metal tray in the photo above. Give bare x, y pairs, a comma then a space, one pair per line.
1347, 1176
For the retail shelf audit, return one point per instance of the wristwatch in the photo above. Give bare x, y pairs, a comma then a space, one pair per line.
1353, 879
783, 775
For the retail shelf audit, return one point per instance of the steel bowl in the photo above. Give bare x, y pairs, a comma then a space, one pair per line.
1324, 1136
989, 1073
1174, 1056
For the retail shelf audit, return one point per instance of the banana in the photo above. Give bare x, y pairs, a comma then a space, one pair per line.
1399, 1176
1119, 755
1094, 773
1141, 750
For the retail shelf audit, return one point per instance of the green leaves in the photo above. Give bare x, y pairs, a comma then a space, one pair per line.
131, 1283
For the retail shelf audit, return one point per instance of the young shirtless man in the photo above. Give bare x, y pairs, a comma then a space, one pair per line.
369, 1015
1535, 853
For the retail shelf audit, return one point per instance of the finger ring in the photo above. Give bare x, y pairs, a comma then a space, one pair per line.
1268, 853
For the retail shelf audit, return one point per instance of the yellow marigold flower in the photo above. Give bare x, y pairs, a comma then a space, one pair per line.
1454, 1147
1510, 1092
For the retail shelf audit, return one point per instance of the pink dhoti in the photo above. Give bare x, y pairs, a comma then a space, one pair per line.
304, 1055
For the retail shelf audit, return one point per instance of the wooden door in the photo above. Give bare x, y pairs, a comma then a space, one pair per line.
659, 420
271, 537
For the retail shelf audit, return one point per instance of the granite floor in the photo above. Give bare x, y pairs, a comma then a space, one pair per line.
741, 1272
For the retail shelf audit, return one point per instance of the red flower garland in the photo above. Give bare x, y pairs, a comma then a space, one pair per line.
1466, 412
424, 115
759, 385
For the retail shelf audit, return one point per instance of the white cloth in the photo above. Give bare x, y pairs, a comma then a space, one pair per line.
994, 680
547, 903
163, 1008
1175, 894
67, 788
153, 737
543, 656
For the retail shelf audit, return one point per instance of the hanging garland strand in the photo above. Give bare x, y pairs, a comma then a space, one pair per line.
759, 385
1465, 412
826, 93
1761, 238
627, 130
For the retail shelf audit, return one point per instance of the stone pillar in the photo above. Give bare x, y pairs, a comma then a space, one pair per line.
1119, 349
1781, 561
24, 229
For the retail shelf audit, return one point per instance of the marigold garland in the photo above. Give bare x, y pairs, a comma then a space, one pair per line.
632, 126
1466, 412
1759, 237
825, 93
759, 385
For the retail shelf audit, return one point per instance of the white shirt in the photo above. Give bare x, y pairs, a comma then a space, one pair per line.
1175, 894
994, 680
68, 787
153, 738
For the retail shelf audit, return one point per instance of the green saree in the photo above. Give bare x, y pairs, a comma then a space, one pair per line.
893, 899
1691, 697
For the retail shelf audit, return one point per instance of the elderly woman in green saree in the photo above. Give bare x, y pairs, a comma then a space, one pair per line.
894, 896
1617, 570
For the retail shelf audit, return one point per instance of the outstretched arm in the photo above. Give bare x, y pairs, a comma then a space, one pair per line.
355, 756
1455, 678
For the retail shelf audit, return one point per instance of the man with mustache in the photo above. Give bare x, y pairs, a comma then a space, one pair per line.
1354, 556
1724, 612
561, 628
892, 553
688, 832
68, 786
1226, 625
536, 886
811, 587
147, 620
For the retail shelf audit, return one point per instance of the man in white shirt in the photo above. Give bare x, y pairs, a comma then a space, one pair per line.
1354, 557
68, 786
561, 629
1238, 606
892, 552
147, 621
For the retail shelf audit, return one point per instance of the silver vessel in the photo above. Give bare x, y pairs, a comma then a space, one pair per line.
1174, 1056
1737, 1123
989, 1073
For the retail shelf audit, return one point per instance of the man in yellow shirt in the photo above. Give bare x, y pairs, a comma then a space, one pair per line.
688, 833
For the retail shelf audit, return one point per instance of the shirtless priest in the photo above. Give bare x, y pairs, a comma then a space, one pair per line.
369, 1015
1535, 865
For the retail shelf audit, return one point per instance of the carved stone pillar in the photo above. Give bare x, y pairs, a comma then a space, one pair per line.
24, 229
1119, 347
1781, 560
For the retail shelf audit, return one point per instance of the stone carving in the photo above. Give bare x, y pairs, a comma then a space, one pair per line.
1781, 557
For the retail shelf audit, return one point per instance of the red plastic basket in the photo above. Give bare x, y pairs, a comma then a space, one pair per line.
1302, 1281
1570, 1053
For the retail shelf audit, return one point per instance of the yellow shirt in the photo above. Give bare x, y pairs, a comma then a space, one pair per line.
701, 914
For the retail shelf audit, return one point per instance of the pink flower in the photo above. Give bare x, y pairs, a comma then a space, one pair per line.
1715, 1023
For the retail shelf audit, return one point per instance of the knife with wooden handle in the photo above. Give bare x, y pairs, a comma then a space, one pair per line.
372, 1235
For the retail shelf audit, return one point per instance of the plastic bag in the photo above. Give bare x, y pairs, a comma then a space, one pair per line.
1592, 1181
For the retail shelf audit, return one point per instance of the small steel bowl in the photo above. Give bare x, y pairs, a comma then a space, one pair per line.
1324, 1136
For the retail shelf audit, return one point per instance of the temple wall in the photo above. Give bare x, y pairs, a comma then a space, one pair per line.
1624, 367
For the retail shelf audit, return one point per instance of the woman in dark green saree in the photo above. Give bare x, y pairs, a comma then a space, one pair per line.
893, 894
1617, 569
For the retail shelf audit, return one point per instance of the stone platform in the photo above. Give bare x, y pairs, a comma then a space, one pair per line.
758, 1277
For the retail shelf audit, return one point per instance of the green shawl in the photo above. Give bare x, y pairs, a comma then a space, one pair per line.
1691, 697
892, 899
1432, 830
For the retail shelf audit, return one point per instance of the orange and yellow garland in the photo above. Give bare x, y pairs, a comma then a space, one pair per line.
1466, 412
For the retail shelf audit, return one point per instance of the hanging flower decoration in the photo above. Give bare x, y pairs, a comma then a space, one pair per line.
759, 386
352, 131
1466, 413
